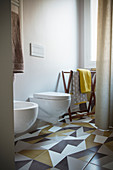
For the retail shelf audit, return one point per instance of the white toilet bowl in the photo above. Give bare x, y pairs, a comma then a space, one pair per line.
51, 105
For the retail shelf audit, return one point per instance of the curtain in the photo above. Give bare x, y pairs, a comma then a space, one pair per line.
104, 65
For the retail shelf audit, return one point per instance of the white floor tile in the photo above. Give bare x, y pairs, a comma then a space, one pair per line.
75, 163
49, 146
27, 135
54, 129
19, 157
80, 132
77, 138
82, 145
55, 157
70, 149
22, 146
70, 138
68, 133
93, 124
87, 120
27, 166
57, 138
45, 145
100, 139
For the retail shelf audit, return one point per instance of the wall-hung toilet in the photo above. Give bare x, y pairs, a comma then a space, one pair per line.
51, 105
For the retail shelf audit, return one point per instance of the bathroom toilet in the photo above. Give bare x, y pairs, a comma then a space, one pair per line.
51, 105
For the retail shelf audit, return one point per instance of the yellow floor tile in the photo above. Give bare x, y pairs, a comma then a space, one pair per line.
83, 124
44, 158
76, 118
47, 128
90, 141
34, 141
60, 133
91, 116
44, 132
63, 125
107, 133
31, 153
109, 145
90, 131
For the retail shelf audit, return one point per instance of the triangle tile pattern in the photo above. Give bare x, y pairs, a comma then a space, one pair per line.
95, 167
56, 157
27, 166
20, 164
70, 146
38, 165
74, 163
105, 150
19, 157
95, 148
88, 129
83, 153
31, 153
44, 158
63, 164
92, 121
61, 145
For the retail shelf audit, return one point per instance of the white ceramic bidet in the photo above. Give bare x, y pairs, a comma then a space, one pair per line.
25, 115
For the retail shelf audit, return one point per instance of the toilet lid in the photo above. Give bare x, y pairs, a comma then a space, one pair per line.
52, 95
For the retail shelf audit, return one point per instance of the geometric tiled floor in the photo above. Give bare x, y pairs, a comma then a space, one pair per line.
66, 146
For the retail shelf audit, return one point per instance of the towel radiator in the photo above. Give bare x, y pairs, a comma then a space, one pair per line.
93, 83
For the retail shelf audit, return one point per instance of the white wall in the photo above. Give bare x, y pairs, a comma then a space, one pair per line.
6, 89
81, 33
54, 24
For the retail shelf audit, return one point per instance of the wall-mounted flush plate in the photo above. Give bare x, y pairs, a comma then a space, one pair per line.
37, 50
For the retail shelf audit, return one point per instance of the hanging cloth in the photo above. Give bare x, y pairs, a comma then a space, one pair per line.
18, 65
104, 65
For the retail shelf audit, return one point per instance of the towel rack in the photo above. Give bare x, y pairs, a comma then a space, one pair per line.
93, 83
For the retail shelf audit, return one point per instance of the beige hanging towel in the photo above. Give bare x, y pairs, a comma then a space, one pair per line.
18, 66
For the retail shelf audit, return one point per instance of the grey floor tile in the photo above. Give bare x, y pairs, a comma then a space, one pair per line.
94, 167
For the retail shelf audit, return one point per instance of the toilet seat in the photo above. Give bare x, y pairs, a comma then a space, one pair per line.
52, 95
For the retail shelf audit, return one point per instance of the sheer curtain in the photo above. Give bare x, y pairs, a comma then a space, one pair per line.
104, 65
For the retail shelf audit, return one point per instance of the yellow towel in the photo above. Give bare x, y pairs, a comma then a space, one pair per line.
85, 80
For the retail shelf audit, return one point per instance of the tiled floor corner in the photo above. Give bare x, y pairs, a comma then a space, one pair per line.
69, 145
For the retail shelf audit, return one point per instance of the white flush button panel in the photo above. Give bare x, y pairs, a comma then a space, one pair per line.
37, 50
